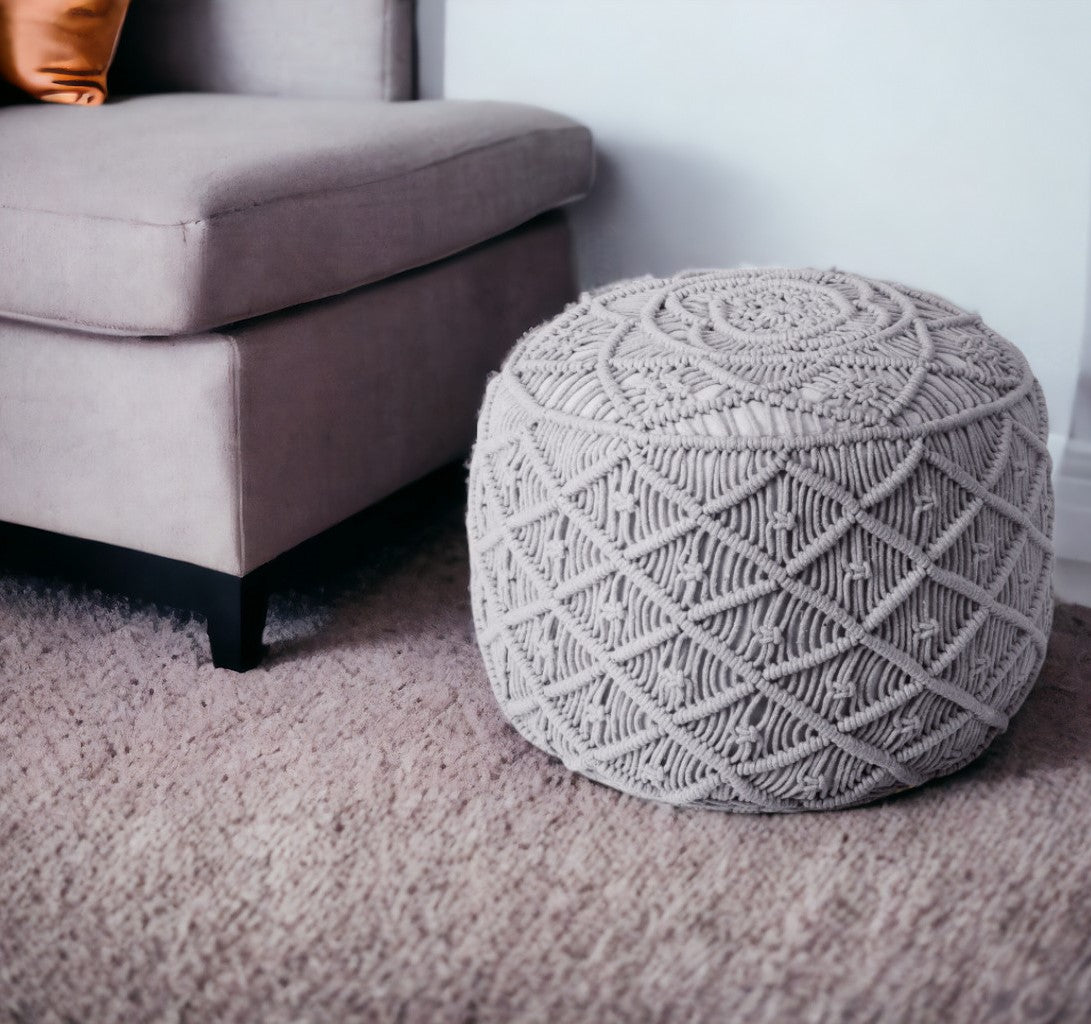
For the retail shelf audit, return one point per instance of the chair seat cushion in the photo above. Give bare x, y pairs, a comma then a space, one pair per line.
167, 214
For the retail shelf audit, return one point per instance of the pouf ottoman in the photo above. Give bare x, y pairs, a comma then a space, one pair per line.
762, 540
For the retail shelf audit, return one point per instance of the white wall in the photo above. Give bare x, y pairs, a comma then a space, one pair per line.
944, 143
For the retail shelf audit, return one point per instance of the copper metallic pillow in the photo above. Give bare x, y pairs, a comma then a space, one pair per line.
60, 50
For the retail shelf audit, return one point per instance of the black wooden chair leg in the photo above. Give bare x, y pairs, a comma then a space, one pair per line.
236, 610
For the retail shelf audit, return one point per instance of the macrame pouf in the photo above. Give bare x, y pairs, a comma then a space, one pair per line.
763, 539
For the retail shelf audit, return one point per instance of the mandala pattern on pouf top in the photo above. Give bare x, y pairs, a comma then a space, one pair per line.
763, 539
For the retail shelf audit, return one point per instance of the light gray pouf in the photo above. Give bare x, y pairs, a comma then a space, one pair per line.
762, 539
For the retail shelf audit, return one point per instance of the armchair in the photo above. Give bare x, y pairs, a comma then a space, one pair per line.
258, 293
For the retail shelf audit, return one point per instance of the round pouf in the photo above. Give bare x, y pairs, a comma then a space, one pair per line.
762, 540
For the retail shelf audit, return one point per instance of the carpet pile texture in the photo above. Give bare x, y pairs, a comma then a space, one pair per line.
353, 833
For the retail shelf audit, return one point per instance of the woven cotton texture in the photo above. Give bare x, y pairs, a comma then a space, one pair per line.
762, 540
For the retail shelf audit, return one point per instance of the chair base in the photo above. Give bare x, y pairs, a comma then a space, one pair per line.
235, 611
234, 607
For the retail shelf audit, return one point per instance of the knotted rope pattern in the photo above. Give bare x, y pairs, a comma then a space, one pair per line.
762, 540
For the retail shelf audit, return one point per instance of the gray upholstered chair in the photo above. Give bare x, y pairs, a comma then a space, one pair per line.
258, 294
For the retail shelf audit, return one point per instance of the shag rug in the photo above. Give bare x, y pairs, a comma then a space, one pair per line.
353, 833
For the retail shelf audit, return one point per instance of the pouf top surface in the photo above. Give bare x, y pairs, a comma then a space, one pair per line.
766, 356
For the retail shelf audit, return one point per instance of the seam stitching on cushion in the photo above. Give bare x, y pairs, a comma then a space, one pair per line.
295, 196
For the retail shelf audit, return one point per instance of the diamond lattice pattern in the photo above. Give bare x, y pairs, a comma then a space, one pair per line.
726, 554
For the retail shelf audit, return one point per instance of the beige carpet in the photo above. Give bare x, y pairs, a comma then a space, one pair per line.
352, 833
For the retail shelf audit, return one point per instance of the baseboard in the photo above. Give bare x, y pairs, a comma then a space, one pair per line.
1072, 530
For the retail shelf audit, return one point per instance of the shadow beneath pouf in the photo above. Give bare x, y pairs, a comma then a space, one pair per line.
1053, 728
1051, 731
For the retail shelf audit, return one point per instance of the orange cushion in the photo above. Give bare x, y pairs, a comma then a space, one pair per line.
60, 50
